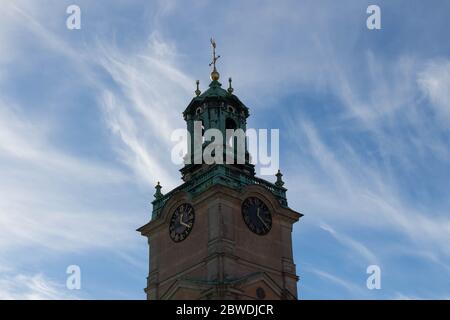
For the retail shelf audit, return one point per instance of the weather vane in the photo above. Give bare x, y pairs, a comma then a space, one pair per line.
214, 74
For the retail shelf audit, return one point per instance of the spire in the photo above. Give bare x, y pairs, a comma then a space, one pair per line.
197, 92
230, 88
214, 74
158, 193
215, 91
279, 182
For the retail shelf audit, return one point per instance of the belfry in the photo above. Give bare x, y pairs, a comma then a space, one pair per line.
223, 233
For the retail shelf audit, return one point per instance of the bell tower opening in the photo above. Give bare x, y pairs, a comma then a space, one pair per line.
230, 124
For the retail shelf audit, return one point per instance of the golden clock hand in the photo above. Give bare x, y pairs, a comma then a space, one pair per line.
259, 217
182, 223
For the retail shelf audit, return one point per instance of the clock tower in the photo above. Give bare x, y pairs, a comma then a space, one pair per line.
223, 233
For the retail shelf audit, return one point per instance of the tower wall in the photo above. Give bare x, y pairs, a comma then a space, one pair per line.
222, 258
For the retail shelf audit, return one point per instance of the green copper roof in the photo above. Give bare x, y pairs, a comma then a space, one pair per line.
215, 91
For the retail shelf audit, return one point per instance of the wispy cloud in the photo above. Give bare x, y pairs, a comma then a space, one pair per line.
33, 287
434, 80
147, 108
370, 197
354, 289
361, 179
55, 200
367, 143
352, 245
41, 191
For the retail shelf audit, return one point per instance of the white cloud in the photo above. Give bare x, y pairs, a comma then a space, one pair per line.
361, 193
135, 150
55, 200
42, 185
16, 286
353, 245
357, 291
147, 108
42, 190
434, 81
356, 187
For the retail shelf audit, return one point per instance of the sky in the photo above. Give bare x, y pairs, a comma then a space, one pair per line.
86, 117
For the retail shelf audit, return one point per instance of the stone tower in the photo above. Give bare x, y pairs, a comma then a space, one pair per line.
223, 233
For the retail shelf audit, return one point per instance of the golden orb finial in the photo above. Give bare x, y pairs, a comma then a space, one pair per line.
215, 75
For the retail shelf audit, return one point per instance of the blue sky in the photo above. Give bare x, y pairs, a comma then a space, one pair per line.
86, 117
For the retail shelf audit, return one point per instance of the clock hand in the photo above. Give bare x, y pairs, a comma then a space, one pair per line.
182, 223
259, 217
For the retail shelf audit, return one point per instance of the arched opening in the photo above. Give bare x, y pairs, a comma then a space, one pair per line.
230, 124
203, 132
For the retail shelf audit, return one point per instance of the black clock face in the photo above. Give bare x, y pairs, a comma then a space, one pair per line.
182, 222
256, 215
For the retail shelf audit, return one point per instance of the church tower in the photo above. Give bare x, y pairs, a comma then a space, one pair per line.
223, 233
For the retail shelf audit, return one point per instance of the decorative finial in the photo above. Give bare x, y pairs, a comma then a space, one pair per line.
197, 92
158, 193
214, 74
230, 88
279, 182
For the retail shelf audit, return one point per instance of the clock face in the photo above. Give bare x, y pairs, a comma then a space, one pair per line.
256, 216
182, 222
